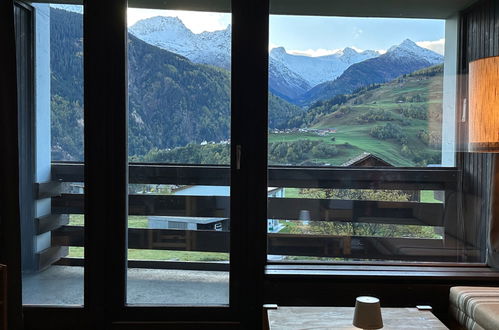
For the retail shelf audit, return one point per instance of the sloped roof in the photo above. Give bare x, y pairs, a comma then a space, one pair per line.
363, 157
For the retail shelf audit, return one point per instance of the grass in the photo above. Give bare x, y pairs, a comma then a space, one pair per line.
163, 255
292, 193
352, 141
134, 221
352, 138
428, 196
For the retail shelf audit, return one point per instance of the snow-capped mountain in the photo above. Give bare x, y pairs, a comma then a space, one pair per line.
409, 49
284, 82
398, 60
296, 78
316, 70
289, 75
171, 34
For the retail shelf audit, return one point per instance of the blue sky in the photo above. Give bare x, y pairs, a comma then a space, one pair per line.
308, 34
316, 35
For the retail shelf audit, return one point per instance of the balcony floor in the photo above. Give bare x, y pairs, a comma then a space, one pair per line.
63, 285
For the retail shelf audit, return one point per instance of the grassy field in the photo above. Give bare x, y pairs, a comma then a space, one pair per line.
164, 255
352, 137
133, 221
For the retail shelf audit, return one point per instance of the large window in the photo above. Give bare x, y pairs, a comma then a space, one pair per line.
190, 187
353, 104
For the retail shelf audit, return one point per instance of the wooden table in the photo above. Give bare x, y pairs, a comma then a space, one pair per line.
301, 318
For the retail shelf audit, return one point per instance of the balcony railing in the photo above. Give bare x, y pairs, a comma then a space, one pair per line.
451, 247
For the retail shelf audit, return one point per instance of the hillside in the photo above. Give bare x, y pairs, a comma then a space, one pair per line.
172, 101
399, 121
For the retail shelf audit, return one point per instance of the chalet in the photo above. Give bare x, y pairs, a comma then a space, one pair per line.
367, 159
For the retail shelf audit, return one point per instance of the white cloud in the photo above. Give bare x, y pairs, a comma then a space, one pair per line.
195, 21
357, 49
314, 52
437, 46
357, 33
321, 51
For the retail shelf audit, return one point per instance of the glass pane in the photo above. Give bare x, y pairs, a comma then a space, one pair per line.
52, 257
363, 97
179, 113
360, 92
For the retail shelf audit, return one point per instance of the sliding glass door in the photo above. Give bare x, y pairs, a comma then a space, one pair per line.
179, 122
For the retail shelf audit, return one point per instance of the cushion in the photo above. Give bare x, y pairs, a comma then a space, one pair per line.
475, 307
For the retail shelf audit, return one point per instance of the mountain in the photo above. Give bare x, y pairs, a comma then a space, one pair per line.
316, 70
398, 60
299, 79
290, 76
172, 101
171, 34
286, 83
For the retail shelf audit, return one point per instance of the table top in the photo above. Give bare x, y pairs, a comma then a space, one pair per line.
301, 318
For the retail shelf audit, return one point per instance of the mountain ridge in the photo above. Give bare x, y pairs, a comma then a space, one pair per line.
172, 100
400, 59
296, 78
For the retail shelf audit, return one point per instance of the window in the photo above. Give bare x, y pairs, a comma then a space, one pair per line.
366, 99
179, 113
168, 204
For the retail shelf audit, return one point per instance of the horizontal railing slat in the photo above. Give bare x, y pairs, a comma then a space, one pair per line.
220, 266
154, 239
404, 213
326, 246
163, 205
298, 177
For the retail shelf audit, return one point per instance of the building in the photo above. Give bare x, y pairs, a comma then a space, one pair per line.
366, 159
273, 225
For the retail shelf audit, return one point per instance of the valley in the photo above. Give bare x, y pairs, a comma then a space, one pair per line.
323, 111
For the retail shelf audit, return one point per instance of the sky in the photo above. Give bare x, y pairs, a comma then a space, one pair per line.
323, 35
316, 35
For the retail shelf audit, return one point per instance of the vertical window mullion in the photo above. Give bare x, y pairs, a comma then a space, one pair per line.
106, 166
249, 156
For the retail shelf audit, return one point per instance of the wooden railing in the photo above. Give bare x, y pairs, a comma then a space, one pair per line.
442, 214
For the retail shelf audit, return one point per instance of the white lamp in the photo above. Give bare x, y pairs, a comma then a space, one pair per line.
367, 313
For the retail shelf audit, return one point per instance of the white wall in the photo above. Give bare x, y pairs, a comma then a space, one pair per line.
42, 112
450, 91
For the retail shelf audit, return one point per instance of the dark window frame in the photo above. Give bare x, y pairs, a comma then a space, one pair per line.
249, 268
